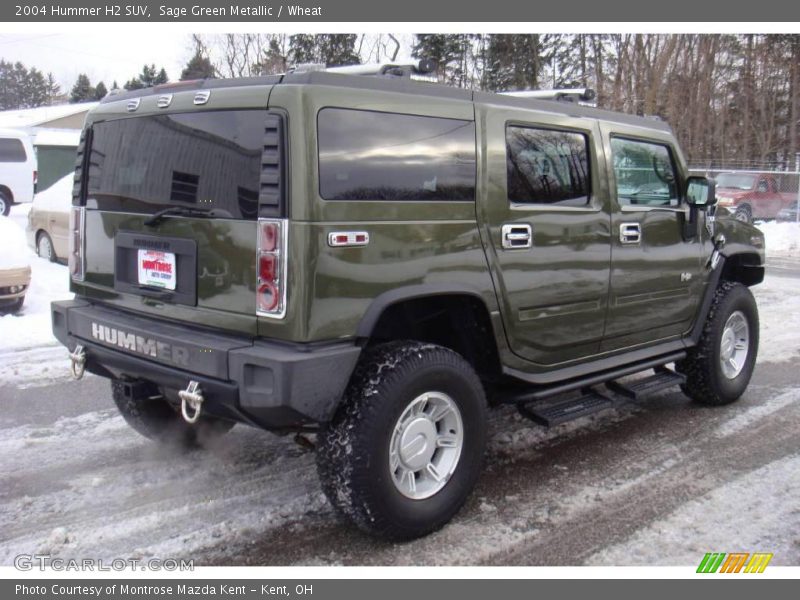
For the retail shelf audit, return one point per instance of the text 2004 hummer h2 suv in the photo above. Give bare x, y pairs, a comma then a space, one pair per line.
379, 260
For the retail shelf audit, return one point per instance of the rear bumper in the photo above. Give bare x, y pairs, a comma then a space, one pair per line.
264, 383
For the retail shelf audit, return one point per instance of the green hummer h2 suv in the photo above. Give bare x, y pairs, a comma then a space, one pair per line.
376, 261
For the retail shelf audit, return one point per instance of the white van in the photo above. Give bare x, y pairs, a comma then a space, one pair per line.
17, 169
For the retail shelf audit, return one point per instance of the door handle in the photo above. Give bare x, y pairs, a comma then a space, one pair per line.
630, 233
516, 236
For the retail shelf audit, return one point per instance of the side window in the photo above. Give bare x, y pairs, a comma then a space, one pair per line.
12, 150
545, 166
367, 155
644, 172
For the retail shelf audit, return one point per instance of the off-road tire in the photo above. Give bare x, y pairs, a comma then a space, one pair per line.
156, 420
353, 449
5, 204
744, 214
43, 235
705, 382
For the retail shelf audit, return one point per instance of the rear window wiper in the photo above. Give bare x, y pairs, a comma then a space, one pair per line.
185, 211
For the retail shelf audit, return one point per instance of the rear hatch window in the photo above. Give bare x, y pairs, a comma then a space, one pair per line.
204, 160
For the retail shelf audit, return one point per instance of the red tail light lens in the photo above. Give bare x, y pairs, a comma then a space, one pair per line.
268, 267
77, 220
271, 268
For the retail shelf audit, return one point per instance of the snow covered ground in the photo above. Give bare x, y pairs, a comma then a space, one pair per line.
782, 239
757, 512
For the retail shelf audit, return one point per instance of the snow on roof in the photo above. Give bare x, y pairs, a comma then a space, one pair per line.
31, 117
57, 137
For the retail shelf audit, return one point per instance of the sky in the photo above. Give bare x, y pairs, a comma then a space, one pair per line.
103, 56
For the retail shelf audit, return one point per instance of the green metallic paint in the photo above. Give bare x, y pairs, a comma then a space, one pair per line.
553, 299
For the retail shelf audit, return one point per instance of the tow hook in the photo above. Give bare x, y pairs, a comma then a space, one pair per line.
193, 397
77, 360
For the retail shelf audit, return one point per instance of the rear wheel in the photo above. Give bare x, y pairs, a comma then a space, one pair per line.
719, 368
5, 204
405, 448
154, 418
44, 247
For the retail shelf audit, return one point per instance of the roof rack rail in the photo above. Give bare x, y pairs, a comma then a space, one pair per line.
566, 95
423, 68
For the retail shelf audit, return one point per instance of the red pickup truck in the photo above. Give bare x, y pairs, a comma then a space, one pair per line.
751, 195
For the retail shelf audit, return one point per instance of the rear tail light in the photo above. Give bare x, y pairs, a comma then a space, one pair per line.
77, 220
35, 177
271, 268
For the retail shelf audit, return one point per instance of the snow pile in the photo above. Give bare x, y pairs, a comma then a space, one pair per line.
782, 239
778, 301
14, 255
57, 197
31, 327
758, 510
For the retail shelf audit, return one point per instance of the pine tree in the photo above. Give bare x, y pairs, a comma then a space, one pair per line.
198, 67
82, 91
100, 91
326, 48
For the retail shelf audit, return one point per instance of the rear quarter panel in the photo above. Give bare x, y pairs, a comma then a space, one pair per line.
411, 243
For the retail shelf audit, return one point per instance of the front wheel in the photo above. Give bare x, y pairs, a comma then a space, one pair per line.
744, 214
719, 368
405, 448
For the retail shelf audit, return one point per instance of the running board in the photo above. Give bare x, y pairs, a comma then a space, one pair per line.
662, 379
555, 412
521, 396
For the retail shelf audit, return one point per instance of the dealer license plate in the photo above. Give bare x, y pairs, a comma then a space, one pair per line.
157, 269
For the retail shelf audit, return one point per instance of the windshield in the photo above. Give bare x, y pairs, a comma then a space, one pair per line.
202, 160
735, 181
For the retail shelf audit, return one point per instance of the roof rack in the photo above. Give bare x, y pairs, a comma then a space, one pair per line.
422, 69
566, 95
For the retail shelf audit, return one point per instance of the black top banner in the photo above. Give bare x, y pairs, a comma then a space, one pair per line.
359, 11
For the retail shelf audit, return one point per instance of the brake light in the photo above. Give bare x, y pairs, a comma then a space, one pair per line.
271, 268
77, 221
35, 177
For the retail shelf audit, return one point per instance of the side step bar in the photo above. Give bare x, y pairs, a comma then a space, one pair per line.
555, 412
542, 393
635, 390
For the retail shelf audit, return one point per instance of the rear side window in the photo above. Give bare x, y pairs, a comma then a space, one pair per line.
367, 155
546, 166
209, 160
12, 150
644, 172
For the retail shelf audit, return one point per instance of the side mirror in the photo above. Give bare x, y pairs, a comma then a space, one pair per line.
701, 192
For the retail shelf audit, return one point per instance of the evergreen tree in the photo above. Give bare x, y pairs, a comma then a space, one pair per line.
513, 62
328, 49
198, 67
82, 91
21, 87
100, 91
